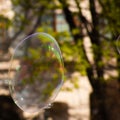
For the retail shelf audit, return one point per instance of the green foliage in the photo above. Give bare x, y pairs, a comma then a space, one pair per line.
28, 12
75, 31
74, 53
111, 13
75, 81
4, 22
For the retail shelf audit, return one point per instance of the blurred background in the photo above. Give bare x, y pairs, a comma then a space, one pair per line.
86, 31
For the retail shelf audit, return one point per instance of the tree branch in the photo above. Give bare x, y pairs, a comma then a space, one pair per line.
82, 18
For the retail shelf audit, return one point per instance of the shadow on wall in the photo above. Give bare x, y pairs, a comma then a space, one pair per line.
59, 111
8, 109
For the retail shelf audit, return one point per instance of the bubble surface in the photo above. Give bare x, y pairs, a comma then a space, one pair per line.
38, 72
118, 44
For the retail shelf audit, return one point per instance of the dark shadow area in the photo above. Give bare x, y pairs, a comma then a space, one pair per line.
111, 102
8, 109
59, 111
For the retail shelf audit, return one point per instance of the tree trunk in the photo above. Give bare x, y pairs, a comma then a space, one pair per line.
98, 110
118, 68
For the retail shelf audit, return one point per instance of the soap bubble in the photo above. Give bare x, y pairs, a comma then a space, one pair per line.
38, 74
118, 44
